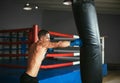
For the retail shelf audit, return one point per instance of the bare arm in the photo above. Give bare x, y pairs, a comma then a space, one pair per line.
60, 44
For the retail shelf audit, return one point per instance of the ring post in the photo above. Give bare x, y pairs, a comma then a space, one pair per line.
35, 33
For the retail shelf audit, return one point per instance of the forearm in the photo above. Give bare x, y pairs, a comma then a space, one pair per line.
59, 44
64, 43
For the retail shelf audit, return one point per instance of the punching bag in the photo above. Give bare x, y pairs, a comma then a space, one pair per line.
90, 53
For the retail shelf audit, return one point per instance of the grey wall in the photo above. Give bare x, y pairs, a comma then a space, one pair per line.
60, 21
12, 16
110, 27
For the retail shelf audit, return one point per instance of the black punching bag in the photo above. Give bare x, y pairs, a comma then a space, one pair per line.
90, 59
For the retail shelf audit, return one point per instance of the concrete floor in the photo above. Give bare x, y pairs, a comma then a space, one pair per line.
112, 77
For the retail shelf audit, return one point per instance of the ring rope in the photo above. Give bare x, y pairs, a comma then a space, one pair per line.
42, 66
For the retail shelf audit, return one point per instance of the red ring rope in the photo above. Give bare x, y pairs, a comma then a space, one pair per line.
60, 34
48, 55
42, 66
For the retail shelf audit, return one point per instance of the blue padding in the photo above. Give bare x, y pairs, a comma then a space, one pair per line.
73, 77
59, 75
23, 46
49, 73
104, 69
10, 75
8, 79
69, 74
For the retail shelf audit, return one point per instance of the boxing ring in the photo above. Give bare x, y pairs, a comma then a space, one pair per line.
60, 64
